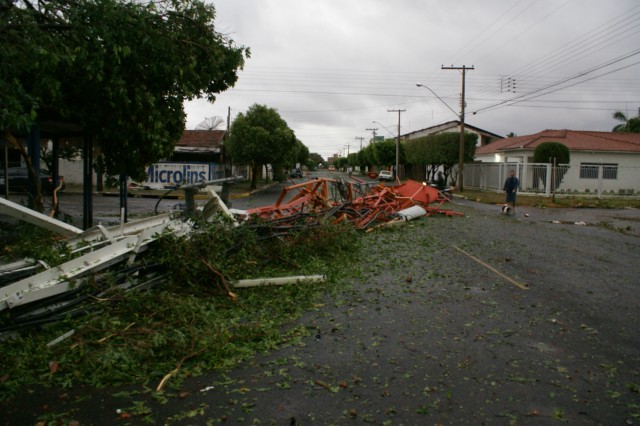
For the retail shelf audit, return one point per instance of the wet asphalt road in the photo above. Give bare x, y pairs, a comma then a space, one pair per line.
424, 333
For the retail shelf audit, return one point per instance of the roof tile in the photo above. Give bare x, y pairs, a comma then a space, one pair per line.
575, 140
201, 138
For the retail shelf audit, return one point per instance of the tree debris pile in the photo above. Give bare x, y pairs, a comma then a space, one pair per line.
361, 204
154, 299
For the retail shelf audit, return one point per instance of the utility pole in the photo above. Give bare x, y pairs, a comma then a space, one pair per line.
360, 138
373, 131
347, 149
397, 141
461, 158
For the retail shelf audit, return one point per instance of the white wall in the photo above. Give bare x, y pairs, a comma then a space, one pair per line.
628, 173
72, 171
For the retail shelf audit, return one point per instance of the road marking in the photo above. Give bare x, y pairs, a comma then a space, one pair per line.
491, 268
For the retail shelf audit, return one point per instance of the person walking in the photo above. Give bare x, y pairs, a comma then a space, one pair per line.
511, 188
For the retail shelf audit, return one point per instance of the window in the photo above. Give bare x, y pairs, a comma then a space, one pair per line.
609, 171
588, 171
592, 171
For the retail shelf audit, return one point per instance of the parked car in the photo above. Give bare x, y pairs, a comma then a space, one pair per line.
385, 175
295, 173
19, 180
332, 168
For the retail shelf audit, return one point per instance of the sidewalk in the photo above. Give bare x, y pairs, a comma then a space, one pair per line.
625, 220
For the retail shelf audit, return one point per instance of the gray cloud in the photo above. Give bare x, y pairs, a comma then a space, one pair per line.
332, 67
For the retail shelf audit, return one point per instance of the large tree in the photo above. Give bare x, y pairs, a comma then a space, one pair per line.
315, 160
260, 137
441, 150
384, 152
119, 69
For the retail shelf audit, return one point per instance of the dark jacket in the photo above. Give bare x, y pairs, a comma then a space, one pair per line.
511, 184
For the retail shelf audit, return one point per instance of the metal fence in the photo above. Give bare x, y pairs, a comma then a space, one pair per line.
537, 178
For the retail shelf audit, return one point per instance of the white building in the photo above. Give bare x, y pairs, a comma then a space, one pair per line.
484, 137
601, 162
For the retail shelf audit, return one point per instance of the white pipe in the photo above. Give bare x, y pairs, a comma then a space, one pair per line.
412, 213
306, 279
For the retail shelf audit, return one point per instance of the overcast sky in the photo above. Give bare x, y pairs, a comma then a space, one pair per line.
333, 67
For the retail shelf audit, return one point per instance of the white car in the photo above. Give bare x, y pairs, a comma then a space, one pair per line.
385, 175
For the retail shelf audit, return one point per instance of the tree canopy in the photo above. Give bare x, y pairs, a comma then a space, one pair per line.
440, 150
119, 69
315, 159
259, 137
547, 151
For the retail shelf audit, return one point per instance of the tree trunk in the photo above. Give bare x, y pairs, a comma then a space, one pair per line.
37, 197
254, 176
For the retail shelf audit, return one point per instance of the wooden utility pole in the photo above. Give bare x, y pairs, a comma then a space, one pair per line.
399, 111
461, 157
360, 138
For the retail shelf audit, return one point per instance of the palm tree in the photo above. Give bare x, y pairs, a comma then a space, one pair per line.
630, 125
620, 116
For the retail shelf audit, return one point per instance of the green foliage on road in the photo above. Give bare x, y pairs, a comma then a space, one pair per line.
190, 324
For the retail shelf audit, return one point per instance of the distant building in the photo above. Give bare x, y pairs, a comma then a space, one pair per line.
484, 137
202, 146
196, 157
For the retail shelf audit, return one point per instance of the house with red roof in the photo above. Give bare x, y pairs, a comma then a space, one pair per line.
600, 161
199, 146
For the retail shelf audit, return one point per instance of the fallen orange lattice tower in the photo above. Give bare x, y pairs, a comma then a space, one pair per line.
358, 202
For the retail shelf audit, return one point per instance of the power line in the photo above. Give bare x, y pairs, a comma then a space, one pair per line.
512, 39
550, 59
610, 32
478, 40
525, 97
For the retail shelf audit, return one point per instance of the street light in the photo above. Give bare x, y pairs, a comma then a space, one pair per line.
390, 132
441, 100
461, 118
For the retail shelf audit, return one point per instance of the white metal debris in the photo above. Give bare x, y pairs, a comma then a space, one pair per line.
17, 211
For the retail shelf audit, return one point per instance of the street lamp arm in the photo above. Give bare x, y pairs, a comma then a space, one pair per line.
390, 132
441, 100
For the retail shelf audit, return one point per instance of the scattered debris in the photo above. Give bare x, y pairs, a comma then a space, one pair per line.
362, 204
569, 222
61, 338
59, 289
300, 279
31, 216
